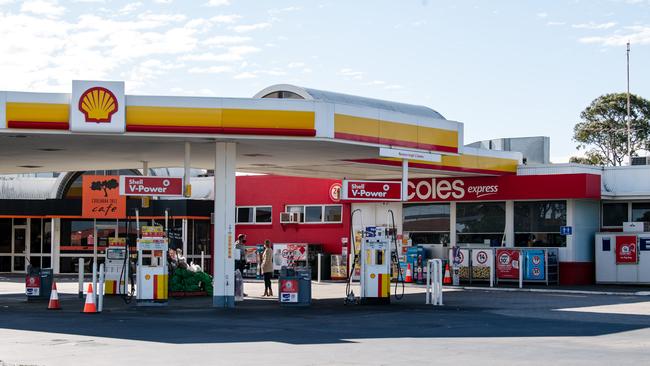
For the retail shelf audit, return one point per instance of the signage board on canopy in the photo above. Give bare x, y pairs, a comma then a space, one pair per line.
101, 197
409, 155
97, 106
508, 187
369, 190
150, 186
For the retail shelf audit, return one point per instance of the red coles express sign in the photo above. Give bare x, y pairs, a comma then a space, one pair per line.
626, 249
150, 186
366, 190
509, 187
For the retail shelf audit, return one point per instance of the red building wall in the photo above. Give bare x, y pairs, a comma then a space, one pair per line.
279, 191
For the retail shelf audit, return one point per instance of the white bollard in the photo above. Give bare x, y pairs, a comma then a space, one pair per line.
434, 282
100, 289
492, 273
320, 259
95, 280
81, 278
203, 261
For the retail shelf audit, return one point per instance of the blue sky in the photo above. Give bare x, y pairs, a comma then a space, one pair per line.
504, 68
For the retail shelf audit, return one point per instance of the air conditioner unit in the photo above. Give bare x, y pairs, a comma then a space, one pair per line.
289, 217
640, 160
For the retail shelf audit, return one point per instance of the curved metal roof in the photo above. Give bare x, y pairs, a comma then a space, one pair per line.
333, 97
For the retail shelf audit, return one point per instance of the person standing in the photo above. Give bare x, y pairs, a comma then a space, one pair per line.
267, 267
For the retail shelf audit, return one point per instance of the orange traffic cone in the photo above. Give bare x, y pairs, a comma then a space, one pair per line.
409, 273
89, 306
54, 299
447, 279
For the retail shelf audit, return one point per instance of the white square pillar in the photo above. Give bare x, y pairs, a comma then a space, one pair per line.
510, 224
224, 225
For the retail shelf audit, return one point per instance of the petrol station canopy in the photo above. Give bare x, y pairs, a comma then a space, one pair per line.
284, 129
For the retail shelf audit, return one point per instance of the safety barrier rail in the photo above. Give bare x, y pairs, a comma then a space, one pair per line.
434, 282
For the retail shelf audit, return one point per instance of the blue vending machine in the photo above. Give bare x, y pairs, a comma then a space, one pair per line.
416, 259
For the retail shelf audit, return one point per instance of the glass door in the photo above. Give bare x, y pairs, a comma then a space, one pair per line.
19, 248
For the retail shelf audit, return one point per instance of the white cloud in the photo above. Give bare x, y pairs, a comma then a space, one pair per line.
233, 54
555, 23
210, 70
50, 9
352, 73
284, 10
376, 82
130, 7
218, 3
245, 75
163, 1
5, 2
229, 18
393, 87
294, 65
542, 15
634, 34
250, 27
592, 25
225, 40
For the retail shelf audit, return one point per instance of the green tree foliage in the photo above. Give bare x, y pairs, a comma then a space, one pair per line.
603, 129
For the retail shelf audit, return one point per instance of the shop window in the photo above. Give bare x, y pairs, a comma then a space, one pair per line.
254, 215
480, 223
35, 239
614, 214
537, 223
418, 238
198, 237
5, 237
428, 217
313, 214
333, 213
264, 214
641, 211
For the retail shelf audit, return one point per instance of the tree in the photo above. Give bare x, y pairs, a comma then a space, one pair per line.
104, 185
603, 129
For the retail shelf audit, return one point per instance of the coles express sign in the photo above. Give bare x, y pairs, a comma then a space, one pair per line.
442, 189
150, 186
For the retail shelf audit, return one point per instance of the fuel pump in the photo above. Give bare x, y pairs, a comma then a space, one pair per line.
152, 276
375, 265
116, 267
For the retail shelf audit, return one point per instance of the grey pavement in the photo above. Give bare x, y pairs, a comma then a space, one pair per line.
474, 326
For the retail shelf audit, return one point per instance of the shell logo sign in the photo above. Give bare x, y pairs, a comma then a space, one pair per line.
98, 105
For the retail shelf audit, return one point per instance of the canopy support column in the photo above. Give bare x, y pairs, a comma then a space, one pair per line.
224, 225
405, 180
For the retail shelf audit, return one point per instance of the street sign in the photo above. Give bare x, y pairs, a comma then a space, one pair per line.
566, 230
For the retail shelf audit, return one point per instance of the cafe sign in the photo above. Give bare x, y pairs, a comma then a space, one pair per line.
101, 197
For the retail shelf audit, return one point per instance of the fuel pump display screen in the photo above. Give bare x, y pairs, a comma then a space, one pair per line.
115, 253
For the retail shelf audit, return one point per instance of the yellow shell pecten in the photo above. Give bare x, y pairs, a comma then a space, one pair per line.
98, 104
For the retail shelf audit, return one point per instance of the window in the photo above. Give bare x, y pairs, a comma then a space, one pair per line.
314, 214
641, 211
614, 214
254, 215
427, 223
479, 223
537, 224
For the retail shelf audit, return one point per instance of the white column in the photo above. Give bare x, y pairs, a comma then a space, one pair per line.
187, 190
453, 238
56, 245
224, 225
405, 180
510, 223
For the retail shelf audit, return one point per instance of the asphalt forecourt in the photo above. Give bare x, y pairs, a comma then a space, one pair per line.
474, 326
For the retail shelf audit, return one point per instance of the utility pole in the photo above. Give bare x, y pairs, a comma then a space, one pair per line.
629, 130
